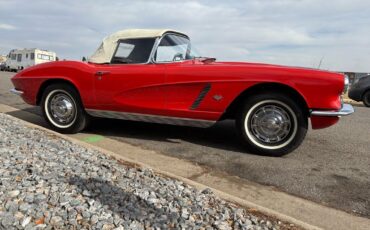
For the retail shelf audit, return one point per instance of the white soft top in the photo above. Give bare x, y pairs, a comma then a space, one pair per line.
105, 51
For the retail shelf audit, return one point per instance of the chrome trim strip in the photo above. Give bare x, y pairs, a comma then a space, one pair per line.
151, 118
201, 96
346, 109
154, 49
16, 92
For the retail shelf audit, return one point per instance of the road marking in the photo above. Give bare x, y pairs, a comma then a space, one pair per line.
93, 139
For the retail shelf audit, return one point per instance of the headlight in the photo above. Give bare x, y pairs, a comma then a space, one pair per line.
346, 84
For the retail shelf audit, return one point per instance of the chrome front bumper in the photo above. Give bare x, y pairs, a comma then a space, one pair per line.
346, 109
16, 92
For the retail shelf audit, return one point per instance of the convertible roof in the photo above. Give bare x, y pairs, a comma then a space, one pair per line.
105, 51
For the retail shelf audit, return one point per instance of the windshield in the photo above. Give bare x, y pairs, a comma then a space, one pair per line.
174, 48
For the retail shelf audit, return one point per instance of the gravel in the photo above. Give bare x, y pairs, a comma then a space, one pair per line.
50, 183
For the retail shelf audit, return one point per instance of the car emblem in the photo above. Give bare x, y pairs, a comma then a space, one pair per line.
218, 97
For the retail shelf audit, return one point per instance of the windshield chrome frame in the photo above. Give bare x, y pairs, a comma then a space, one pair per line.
152, 52
157, 44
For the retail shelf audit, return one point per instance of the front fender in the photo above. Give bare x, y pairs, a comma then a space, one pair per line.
33, 80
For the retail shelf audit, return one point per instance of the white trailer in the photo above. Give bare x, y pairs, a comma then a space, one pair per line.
2, 58
23, 58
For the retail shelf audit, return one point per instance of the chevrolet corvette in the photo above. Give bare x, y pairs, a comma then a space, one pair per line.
156, 76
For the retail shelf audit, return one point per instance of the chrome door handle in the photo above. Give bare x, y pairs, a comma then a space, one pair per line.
101, 73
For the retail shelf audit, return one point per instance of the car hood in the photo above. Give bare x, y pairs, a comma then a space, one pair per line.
270, 66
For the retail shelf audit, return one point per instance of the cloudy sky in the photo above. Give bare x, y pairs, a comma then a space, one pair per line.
289, 32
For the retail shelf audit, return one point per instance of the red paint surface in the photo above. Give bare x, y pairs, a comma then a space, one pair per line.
170, 89
318, 122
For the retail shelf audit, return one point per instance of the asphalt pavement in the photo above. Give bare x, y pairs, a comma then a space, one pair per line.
332, 167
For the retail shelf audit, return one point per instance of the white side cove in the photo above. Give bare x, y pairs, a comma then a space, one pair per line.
22, 59
151, 118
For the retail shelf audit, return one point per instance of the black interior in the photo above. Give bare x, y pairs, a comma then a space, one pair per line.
140, 53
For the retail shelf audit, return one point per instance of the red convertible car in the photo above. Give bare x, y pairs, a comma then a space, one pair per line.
155, 76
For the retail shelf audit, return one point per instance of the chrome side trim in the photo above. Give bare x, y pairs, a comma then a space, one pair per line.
151, 118
201, 96
16, 92
346, 109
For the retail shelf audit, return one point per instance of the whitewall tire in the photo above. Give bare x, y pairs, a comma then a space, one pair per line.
62, 108
271, 124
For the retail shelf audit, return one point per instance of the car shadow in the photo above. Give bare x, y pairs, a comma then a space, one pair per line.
222, 135
126, 205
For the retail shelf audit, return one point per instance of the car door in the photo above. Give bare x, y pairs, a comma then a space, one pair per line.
130, 83
186, 84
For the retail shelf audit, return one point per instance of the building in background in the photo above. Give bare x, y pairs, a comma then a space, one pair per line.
22, 58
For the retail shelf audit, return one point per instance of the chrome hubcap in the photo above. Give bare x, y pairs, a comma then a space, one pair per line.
270, 124
62, 108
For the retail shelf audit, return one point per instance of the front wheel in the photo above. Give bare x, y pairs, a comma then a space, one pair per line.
271, 124
62, 108
366, 98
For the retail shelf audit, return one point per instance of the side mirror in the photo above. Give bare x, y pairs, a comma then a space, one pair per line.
178, 57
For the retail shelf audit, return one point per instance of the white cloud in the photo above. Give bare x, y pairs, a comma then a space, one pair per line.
289, 32
7, 27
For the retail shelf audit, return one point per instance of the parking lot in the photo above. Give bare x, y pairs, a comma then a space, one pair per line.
332, 167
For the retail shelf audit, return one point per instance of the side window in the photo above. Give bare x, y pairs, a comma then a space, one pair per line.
32, 56
133, 51
27, 55
124, 50
44, 57
14, 56
172, 48
19, 57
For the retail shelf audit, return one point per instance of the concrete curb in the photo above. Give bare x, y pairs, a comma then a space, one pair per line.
223, 195
258, 198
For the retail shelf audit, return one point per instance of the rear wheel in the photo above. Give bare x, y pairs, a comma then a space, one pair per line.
366, 98
62, 108
271, 124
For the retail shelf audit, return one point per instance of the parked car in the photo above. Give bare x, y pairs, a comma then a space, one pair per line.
2, 66
155, 76
360, 90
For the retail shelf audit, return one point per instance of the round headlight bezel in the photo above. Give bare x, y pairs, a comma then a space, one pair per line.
346, 84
